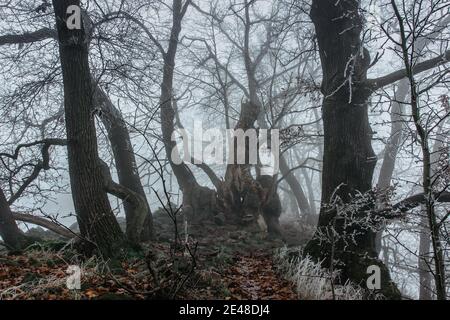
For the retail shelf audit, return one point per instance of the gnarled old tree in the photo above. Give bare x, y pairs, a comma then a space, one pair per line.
239, 196
98, 226
349, 160
237, 23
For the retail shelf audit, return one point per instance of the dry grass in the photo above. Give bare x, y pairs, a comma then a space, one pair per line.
48, 282
311, 281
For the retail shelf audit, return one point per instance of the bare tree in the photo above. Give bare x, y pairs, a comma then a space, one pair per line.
349, 160
95, 217
409, 55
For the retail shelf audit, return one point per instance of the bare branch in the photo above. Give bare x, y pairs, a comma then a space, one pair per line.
381, 82
43, 222
39, 35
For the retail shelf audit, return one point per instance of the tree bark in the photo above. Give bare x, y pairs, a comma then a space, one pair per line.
239, 194
96, 220
393, 144
349, 159
424, 264
309, 187
138, 222
12, 236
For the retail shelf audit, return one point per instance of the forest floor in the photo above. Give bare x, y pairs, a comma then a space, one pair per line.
220, 262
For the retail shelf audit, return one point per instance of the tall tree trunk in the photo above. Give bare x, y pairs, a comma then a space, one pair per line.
253, 85
423, 138
127, 170
309, 187
390, 152
95, 217
198, 201
12, 236
349, 159
397, 124
424, 265
297, 189
288, 175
